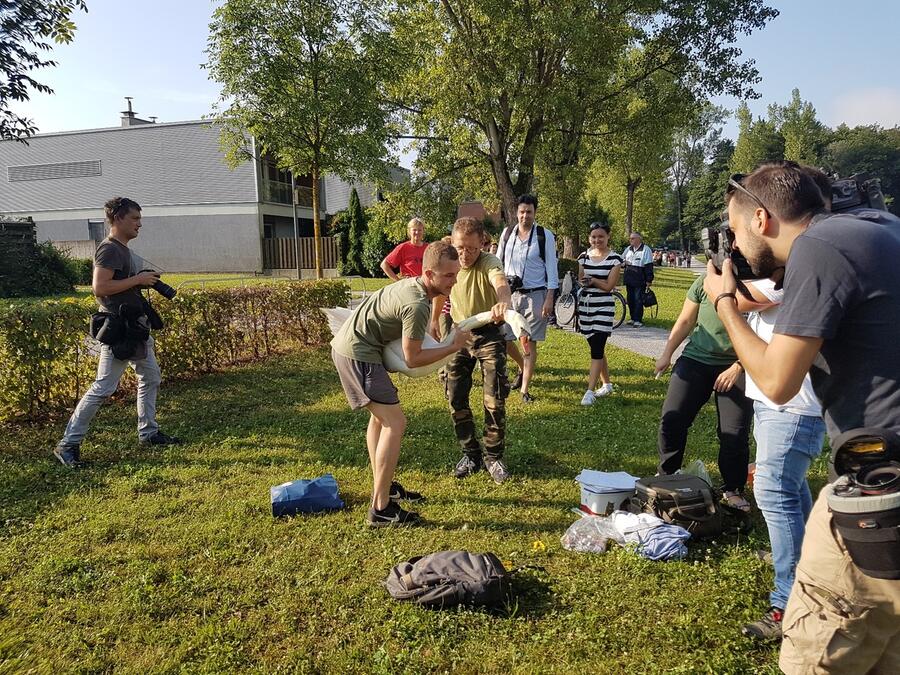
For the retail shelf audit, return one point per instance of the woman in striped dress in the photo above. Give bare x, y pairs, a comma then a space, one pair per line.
598, 268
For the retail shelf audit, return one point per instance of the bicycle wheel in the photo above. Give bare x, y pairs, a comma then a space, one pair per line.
620, 309
566, 307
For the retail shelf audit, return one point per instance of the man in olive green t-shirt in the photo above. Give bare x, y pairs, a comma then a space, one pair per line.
400, 310
481, 287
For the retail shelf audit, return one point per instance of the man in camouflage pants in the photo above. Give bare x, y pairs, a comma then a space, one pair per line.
481, 286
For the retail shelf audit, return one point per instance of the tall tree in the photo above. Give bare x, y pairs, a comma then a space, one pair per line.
869, 149
489, 75
692, 144
301, 77
758, 141
804, 136
27, 28
706, 195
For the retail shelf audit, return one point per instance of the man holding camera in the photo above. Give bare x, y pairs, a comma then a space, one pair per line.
839, 322
528, 254
117, 284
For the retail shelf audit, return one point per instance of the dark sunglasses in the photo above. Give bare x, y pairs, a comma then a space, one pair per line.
734, 183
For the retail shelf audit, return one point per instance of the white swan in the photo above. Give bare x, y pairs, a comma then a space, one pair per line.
393, 357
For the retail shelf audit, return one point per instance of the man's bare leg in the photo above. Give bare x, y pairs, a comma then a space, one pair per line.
528, 369
373, 432
387, 450
512, 350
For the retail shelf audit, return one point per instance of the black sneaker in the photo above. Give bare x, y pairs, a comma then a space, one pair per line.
68, 454
159, 438
768, 628
392, 516
400, 493
527, 398
467, 466
497, 469
517, 382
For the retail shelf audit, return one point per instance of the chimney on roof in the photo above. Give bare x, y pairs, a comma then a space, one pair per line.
130, 118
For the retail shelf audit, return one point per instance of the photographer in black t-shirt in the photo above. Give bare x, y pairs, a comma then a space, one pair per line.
840, 321
117, 286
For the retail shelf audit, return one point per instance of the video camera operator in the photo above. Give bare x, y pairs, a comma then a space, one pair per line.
840, 322
122, 326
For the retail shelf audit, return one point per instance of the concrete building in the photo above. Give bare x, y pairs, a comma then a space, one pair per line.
198, 213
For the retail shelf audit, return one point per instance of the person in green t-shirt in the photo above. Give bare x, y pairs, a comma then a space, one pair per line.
708, 364
480, 287
401, 310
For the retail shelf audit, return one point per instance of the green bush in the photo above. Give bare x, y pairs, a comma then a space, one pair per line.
564, 265
375, 247
47, 361
82, 270
42, 270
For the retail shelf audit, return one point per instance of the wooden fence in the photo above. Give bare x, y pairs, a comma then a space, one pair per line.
278, 254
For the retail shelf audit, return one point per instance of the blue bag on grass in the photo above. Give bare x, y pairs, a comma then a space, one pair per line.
305, 496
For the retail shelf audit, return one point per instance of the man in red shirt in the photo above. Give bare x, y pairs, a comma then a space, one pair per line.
407, 257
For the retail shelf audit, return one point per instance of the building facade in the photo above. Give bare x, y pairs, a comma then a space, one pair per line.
199, 214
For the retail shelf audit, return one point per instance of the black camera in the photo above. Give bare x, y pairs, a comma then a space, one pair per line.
515, 282
162, 288
718, 244
858, 191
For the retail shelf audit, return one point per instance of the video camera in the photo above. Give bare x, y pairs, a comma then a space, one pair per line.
162, 288
858, 191
718, 244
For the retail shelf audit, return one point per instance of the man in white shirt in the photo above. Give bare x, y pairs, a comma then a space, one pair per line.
788, 438
528, 254
638, 275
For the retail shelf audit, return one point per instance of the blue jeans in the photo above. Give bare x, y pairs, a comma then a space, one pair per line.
786, 444
109, 372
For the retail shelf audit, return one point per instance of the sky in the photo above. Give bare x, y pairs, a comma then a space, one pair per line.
842, 57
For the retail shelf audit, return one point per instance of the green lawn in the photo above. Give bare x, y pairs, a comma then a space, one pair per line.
163, 561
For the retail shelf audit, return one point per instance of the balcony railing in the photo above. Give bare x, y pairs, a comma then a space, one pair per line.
280, 193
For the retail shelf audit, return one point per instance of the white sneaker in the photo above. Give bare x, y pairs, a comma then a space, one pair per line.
637, 324
588, 398
629, 322
605, 390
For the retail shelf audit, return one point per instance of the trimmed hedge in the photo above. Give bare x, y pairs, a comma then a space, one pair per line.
47, 361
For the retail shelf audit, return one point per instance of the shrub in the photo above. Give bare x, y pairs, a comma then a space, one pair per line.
375, 247
82, 270
41, 270
47, 361
564, 265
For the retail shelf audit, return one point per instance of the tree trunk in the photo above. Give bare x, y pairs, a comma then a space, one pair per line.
570, 246
678, 216
317, 229
508, 197
631, 186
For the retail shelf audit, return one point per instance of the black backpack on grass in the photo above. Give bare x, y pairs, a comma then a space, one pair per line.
681, 499
449, 578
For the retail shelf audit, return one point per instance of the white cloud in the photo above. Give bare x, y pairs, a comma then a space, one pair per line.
872, 105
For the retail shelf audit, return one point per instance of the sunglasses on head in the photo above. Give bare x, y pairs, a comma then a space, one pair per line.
734, 183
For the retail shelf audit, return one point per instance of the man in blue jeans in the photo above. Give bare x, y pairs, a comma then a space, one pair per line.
788, 438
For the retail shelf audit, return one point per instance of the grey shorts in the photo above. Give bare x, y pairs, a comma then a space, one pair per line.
529, 305
364, 383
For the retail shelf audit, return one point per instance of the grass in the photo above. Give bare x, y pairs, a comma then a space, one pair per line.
164, 561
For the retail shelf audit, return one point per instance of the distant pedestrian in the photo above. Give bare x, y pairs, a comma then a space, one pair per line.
638, 276
407, 257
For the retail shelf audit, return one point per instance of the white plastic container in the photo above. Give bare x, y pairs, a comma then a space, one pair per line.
604, 503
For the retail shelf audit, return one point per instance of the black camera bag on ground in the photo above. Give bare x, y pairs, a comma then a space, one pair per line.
683, 500
449, 578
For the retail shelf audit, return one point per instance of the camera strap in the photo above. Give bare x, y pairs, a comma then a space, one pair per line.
513, 235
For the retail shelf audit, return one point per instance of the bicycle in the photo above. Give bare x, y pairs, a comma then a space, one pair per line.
567, 309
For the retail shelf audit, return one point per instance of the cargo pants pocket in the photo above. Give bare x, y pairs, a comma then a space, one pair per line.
826, 633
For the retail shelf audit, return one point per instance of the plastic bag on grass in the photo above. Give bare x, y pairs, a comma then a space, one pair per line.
591, 534
697, 468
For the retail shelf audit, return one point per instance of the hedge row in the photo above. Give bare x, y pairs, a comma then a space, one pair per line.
47, 360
